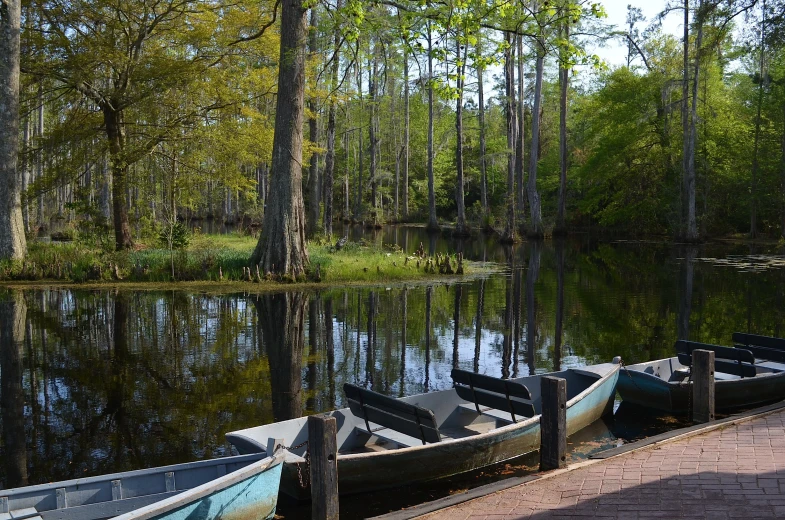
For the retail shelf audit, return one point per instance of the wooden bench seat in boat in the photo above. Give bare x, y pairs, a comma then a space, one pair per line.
744, 365
401, 422
499, 398
763, 347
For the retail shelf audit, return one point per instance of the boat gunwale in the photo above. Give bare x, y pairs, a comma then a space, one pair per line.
203, 490
250, 457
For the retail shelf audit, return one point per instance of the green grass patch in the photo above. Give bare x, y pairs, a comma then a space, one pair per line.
215, 258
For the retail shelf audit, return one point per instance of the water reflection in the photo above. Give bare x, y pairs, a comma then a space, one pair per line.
13, 315
100, 381
281, 319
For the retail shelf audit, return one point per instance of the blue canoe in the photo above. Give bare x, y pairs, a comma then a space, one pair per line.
385, 442
227, 488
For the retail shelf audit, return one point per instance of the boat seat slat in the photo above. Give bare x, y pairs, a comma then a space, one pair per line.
737, 369
397, 415
769, 354
23, 514
492, 392
755, 340
735, 354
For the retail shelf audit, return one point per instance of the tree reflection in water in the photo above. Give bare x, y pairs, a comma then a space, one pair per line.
101, 381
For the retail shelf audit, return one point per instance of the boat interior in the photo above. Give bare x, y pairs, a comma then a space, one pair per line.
673, 371
374, 422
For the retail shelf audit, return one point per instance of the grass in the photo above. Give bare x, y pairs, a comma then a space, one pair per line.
221, 259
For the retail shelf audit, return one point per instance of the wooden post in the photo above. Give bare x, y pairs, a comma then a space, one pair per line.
702, 386
553, 423
323, 448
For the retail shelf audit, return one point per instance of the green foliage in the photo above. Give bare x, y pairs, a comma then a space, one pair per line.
175, 236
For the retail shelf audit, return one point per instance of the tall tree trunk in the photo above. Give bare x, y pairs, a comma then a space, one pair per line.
483, 170
314, 190
782, 170
373, 141
39, 156
25, 167
13, 314
115, 133
755, 160
564, 84
281, 248
406, 133
689, 229
433, 224
509, 235
329, 162
692, 227
13, 243
460, 229
358, 209
520, 141
535, 226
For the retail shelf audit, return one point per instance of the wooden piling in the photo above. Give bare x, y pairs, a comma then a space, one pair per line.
702, 386
553, 423
323, 448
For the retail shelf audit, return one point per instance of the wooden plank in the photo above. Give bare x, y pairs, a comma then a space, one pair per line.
702, 385
391, 405
392, 413
769, 354
499, 402
736, 354
494, 384
726, 367
553, 423
23, 514
426, 431
3, 505
759, 341
323, 448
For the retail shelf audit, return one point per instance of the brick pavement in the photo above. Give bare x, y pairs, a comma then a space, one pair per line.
734, 472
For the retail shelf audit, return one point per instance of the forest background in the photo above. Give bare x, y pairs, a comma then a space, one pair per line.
136, 116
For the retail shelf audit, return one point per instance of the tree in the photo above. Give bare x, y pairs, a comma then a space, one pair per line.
12, 233
281, 248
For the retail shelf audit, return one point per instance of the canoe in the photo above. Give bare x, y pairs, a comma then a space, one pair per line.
244, 486
743, 378
445, 434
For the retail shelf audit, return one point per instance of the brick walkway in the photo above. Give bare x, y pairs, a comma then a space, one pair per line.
735, 472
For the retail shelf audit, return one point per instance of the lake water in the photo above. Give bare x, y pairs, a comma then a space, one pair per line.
101, 381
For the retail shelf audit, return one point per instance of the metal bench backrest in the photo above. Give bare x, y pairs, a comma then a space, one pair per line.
395, 414
501, 394
744, 365
764, 347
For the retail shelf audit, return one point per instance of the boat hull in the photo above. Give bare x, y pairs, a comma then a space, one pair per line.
649, 390
228, 488
251, 492
363, 472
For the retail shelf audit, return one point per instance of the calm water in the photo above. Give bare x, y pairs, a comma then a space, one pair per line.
102, 381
